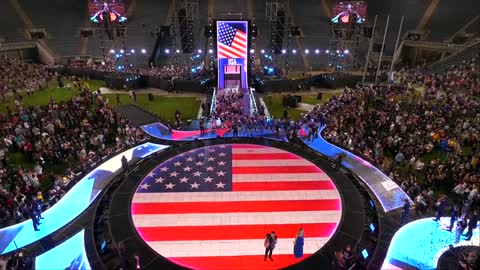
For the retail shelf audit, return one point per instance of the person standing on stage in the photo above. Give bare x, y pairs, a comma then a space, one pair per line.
441, 203
453, 217
406, 211
202, 126
298, 244
270, 242
472, 224
32, 213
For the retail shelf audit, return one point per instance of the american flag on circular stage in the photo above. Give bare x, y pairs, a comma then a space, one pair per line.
210, 208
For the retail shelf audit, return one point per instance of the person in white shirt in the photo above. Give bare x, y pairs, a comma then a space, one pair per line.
473, 193
460, 188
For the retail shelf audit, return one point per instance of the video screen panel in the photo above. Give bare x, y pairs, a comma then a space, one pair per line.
345, 11
115, 8
232, 53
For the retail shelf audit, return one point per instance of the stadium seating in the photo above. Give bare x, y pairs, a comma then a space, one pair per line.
11, 27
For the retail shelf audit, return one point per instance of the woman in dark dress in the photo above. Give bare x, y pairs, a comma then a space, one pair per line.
298, 244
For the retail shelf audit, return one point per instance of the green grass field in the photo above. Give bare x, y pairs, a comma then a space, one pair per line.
312, 99
42, 97
163, 107
275, 107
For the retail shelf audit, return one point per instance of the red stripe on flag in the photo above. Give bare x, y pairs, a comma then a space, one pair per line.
287, 169
239, 262
290, 185
264, 156
229, 50
240, 37
234, 207
229, 232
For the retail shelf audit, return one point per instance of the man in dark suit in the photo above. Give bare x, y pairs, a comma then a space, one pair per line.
442, 202
472, 224
32, 213
453, 217
406, 211
270, 242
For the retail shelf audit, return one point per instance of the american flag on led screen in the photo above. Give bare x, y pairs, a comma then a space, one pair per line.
211, 207
232, 40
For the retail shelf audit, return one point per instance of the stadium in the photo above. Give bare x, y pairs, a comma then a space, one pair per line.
215, 135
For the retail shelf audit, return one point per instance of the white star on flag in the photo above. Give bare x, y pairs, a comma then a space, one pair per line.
220, 185
189, 159
209, 169
151, 174
194, 185
187, 169
211, 150
159, 180
178, 163
221, 163
201, 155
222, 154
200, 163
164, 169
197, 173
208, 179
211, 159
169, 186
183, 180
221, 173
173, 174
144, 186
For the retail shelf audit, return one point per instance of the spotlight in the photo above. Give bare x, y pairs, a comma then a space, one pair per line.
284, 51
307, 51
167, 51
177, 51
338, 51
262, 51
327, 51
144, 51
112, 51
294, 51
210, 51
103, 63
132, 51
122, 51
317, 51
252, 51
199, 51
346, 51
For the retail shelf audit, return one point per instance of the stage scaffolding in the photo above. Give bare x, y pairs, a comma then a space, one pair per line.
184, 24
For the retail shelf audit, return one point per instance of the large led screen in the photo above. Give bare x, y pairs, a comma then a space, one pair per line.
232, 54
115, 9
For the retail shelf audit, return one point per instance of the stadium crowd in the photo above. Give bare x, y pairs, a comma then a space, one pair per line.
16, 76
168, 72
79, 133
424, 141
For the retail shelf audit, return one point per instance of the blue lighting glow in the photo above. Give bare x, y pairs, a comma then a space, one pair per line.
365, 254
72, 204
420, 243
70, 254
372, 227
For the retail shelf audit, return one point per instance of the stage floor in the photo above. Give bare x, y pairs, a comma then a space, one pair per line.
211, 207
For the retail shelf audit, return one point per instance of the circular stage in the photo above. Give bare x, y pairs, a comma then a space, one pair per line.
211, 207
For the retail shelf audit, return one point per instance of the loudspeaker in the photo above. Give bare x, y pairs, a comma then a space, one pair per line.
290, 101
